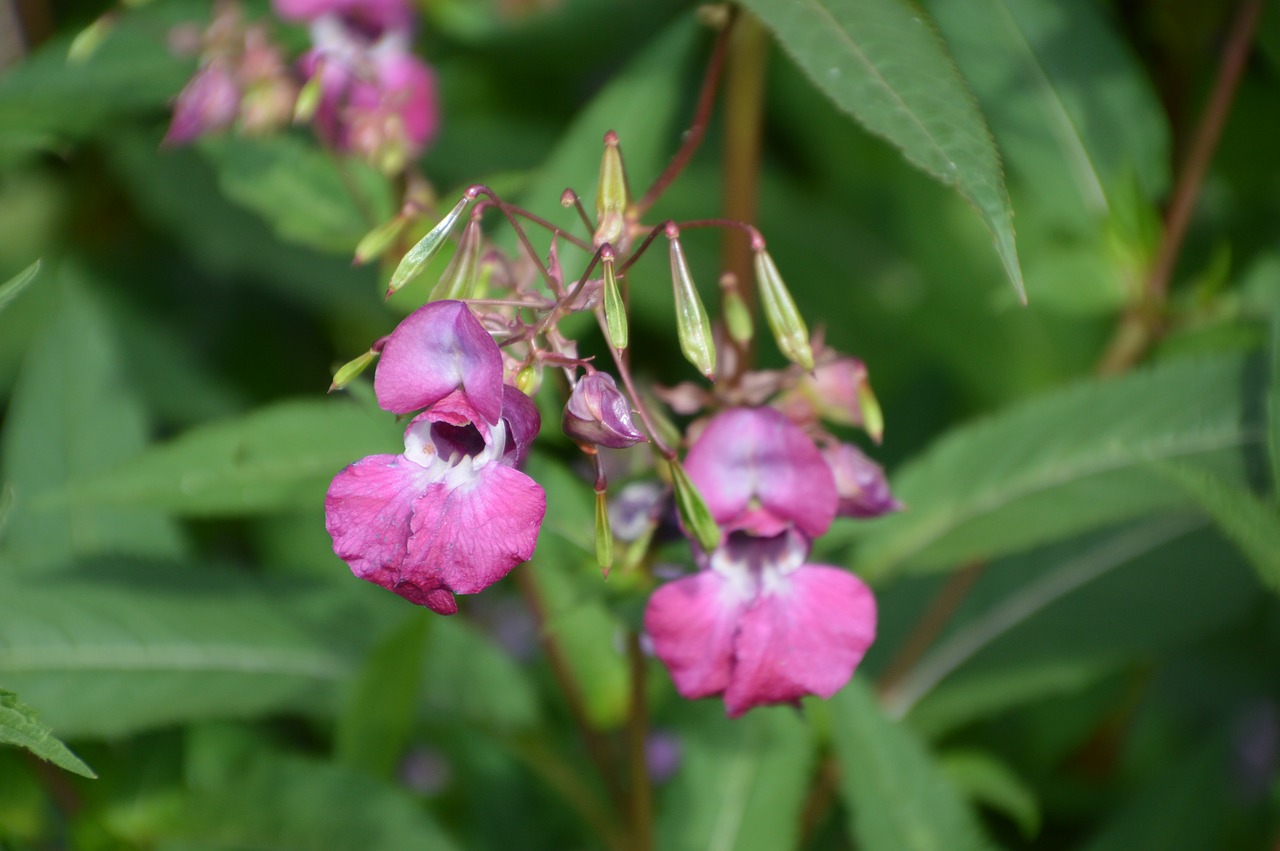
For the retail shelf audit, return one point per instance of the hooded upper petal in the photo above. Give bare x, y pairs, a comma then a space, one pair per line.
860, 482
367, 512
692, 623
757, 459
438, 348
805, 635
466, 537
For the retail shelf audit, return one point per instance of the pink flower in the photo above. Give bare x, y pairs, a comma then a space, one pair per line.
377, 98
597, 414
757, 624
373, 16
451, 514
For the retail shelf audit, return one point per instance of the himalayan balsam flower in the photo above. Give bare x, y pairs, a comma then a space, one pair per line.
758, 624
451, 514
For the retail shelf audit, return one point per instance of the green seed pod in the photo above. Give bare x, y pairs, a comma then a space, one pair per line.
304, 108
350, 370
694, 513
611, 194
418, 257
378, 240
737, 318
459, 278
780, 310
604, 534
692, 325
615, 312
872, 416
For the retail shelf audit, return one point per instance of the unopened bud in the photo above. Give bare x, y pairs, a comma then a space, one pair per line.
611, 194
350, 370
615, 312
693, 510
597, 414
418, 257
375, 242
459, 278
780, 310
692, 325
604, 534
860, 483
529, 380
737, 317
872, 416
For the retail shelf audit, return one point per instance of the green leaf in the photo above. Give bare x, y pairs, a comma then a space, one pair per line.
882, 62
20, 726
109, 651
1273, 403
983, 779
1250, 522
898, 798
12, 288
740, 786
373, 729
470, 679
1061, 464
281, 801
307, 195
73, 416
278, 457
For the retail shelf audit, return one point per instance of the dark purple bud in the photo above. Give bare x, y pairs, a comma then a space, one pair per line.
863, 489
599, 415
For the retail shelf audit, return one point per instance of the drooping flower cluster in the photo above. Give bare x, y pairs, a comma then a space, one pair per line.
367, 91
757, 624
451, 514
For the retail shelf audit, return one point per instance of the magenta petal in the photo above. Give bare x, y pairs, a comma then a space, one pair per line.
367, 512
803, 636
757, 453
436, 349
407, 87
692, 622
523, 422
467, 537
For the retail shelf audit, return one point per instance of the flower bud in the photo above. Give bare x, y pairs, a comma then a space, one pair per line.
597, 414
780, 310
615, 312
860, 482
604, 534
529, 380
209, 102
737, 317
89, 39
418, 257
304, 108
692, 325
611, 194
693, 510
459, 278
350, 370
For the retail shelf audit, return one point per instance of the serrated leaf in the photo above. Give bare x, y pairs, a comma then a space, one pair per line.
1061, 464
882, 62
307, 195
898, 798
111, 650
278, 457
740, 786
1251, 523
20, 725
15, 285
74, 415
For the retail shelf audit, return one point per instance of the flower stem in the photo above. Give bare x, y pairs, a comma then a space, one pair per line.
1142, 324
597, 746
655, 436
640, 786
743, 111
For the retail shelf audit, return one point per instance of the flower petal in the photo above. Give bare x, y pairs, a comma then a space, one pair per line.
523, 422
757, 453
803, 636
692, 622
466, 537
367, 511
436, 349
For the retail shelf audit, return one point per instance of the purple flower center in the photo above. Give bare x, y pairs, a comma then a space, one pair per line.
758, 564
453, 454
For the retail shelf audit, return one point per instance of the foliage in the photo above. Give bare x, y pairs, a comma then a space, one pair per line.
1078, 630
